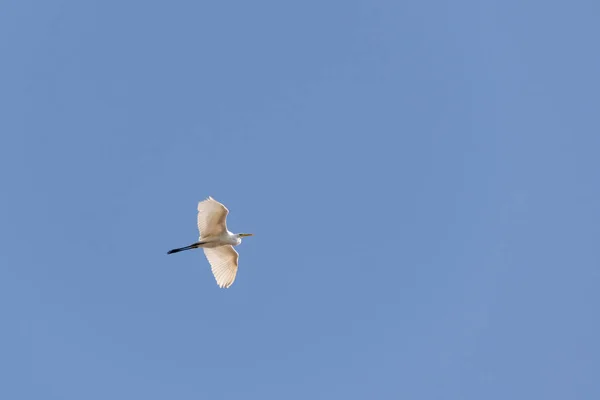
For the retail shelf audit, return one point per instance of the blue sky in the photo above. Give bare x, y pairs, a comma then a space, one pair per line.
421, 179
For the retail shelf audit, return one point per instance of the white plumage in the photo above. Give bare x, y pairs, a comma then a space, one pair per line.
223, 263
217, 241
212, 218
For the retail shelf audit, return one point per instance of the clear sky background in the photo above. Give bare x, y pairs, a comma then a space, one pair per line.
422, 178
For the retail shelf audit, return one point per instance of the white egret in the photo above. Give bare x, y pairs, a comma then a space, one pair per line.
217, 241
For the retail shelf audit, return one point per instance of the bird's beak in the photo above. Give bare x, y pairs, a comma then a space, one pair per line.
246, 234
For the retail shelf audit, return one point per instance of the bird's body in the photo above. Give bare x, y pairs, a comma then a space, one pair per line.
217, 241
226, 238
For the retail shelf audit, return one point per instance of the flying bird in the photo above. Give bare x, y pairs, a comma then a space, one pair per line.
217, 241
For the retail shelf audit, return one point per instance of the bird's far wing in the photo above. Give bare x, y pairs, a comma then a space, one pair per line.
223, 263
212, 217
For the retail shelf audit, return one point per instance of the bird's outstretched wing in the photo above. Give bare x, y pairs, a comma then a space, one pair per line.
212, 217
223, 263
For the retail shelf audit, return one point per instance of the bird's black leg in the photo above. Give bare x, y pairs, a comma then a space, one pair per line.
190, 247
